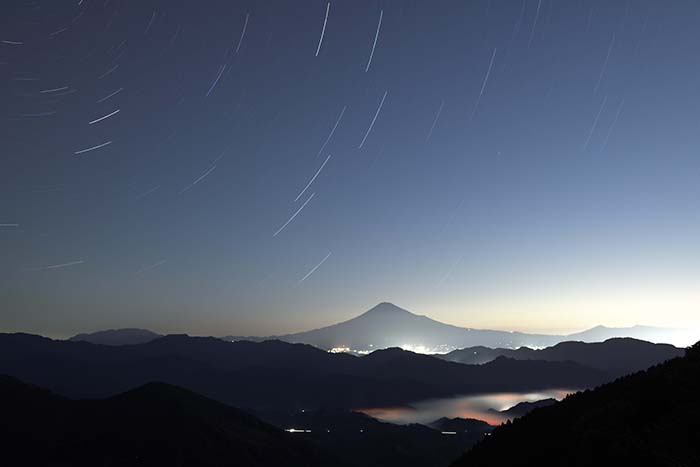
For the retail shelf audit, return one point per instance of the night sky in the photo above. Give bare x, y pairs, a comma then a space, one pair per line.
265, 167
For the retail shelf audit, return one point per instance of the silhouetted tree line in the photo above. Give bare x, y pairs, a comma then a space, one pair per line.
649, 418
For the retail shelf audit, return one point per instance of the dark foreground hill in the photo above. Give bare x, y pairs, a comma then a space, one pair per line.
650, 418
272, 374
357, 440
162, 425
617, 357
154, 425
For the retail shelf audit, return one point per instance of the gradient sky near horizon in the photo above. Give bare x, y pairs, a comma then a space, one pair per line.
243, 167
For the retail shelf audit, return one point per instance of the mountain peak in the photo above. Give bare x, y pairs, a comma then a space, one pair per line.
384, 308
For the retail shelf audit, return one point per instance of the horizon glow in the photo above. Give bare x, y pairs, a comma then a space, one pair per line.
492, 167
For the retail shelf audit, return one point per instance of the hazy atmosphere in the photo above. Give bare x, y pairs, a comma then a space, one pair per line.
518, 165
350, 233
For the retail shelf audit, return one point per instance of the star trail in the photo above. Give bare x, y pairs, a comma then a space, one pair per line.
527, 165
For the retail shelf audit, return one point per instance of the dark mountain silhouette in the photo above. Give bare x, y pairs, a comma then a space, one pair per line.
162, 425
153, 425
359, 440
273, 373
617, 357
461, 425
650, 418
127, 336
520, 409
387, 325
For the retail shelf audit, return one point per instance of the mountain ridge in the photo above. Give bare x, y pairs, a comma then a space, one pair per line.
153, 424
617, 356
216, 368
387, 325
121, 336
647, 418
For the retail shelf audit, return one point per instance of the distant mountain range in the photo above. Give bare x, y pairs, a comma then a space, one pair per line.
312, 392
617, 357
645, 333
126, 336
273, 373
153, 425
649, 418
386, 325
